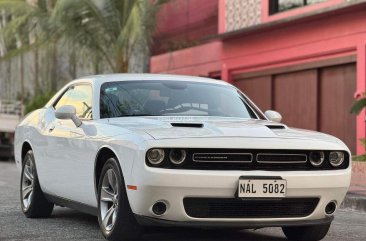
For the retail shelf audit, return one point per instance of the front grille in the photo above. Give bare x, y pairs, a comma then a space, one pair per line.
249, 159
238, 208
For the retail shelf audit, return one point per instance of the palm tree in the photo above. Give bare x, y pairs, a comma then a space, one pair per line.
103, 35
29, 26
139, 59
108, 31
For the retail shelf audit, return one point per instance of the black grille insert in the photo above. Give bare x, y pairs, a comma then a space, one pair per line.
281, 158
222, 157
253, 208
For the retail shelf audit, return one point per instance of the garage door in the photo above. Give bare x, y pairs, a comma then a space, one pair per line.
316, 99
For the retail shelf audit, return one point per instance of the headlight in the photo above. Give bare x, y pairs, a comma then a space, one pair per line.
155, 156
177, 156
336, 158
316, 158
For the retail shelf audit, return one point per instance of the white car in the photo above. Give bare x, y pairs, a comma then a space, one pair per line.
162, 150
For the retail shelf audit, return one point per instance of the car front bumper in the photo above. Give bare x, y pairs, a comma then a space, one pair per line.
152, 222
172, 186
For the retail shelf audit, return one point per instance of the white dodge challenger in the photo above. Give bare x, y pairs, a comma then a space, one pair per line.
162, 150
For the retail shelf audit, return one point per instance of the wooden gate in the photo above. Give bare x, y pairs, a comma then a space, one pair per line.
316, 99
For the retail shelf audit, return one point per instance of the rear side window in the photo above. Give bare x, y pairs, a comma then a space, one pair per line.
79, 96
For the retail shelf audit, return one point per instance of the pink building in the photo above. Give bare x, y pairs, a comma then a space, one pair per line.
303, 58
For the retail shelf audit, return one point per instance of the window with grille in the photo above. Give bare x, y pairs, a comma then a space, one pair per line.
277, 6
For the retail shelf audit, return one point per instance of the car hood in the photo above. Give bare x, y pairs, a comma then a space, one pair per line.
203, 127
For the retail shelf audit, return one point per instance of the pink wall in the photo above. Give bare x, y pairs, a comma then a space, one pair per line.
326, 36
182, 21
200, 60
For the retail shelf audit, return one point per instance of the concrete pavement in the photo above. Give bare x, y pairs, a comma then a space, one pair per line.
66, 224
358, 182
356, 197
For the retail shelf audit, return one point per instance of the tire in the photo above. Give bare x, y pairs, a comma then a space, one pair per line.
306, 233
115, 217
33, 202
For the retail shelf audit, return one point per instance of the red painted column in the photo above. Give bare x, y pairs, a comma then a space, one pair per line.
361, 88
221, 18
264, 11
225, 74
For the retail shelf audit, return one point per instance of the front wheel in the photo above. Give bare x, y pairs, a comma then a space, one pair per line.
33, 202
115, 216
306, 233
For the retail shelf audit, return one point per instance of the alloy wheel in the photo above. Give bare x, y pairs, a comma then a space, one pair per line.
109, 200
27, 184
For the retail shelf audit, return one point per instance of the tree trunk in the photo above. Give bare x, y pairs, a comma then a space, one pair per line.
9, 79
122, 64
22, 91
54, 76
96, 64
139, 59
73, 64
36, 69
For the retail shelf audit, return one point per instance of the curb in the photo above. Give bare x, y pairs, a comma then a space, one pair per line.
354, 202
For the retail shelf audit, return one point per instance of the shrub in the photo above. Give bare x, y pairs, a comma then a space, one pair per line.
38, 101
357, 107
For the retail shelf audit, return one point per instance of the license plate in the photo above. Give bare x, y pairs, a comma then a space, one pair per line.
262, 188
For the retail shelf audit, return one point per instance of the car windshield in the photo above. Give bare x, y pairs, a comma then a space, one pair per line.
171, 98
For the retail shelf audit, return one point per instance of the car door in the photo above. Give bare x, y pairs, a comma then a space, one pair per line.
70, 150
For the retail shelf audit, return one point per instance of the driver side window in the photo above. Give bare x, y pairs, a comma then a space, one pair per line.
79, 96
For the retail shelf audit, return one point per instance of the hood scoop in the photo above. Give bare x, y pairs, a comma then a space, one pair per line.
276, 127
193, 125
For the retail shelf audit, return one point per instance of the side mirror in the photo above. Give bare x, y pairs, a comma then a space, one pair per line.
68, 112
273, 115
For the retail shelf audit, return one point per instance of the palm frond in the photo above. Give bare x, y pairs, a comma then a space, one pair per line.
358, 106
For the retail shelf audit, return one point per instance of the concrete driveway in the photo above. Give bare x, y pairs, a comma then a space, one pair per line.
66, 224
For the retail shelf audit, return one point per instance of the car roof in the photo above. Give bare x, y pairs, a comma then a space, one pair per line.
100, 79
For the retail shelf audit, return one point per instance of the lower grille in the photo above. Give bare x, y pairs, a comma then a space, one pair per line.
237, 208
281, 158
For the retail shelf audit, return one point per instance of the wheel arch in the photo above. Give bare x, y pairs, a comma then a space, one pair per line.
103, 154
26, 146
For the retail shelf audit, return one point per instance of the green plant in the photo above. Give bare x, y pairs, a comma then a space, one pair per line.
356, 108
38, 101
362, 157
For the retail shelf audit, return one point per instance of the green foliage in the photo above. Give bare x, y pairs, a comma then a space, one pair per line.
106, 30
356, 108
27, 25
363, 156
358, 105
38, 101
98, 32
